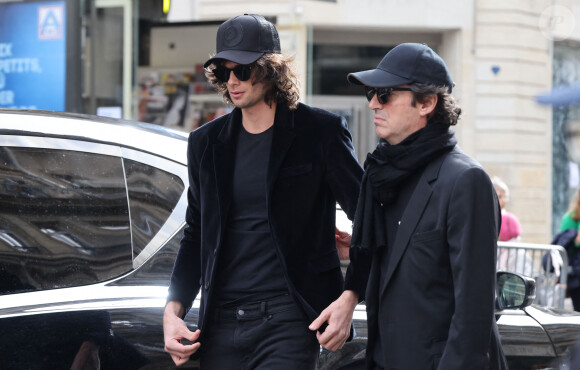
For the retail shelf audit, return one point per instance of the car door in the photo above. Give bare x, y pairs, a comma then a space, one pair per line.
84, 266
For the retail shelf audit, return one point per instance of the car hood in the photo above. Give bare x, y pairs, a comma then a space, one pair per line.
562, 326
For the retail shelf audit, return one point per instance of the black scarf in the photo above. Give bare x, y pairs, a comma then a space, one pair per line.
385, 169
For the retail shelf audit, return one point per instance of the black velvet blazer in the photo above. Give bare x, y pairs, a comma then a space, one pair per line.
312, 166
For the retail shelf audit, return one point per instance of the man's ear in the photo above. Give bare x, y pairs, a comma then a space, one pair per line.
427, 107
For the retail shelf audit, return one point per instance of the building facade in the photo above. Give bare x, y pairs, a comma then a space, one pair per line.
127, 58
501, 55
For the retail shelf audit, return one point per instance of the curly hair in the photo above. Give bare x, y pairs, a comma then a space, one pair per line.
276, 71
447, 111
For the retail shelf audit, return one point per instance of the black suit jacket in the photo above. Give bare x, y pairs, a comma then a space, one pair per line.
436, 300
312, 166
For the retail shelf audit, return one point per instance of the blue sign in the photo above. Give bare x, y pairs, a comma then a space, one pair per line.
33, 55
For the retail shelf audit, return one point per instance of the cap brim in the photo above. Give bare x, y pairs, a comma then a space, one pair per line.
377, 78
236, 56
561, 96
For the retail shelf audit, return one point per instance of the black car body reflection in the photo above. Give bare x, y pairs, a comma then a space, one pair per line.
91, 214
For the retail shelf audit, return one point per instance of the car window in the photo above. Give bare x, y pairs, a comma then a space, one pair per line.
153, 194
156, 270
64, 219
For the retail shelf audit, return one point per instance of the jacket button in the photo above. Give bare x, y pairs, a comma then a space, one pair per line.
206, 285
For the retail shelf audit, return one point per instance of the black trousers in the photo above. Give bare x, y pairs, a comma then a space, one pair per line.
269, 334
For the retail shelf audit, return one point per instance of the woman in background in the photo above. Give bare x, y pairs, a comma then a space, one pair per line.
513, 260
510, 225
569, 238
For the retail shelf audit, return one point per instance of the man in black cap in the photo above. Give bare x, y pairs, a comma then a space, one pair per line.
428, 220
260, 237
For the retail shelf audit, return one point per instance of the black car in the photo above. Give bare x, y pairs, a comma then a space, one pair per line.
91, 215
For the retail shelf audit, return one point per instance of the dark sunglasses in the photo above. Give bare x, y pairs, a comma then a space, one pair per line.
383, 93
243, 72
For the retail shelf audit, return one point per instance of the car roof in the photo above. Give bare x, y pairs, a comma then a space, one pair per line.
166, 142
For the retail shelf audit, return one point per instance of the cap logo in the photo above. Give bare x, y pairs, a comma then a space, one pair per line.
233, 35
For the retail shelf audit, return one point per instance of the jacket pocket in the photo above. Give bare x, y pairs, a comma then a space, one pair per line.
426, 236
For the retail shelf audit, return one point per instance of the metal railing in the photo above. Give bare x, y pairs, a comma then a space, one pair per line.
546, 263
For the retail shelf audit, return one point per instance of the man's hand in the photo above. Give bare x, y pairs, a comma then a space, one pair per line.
338, 315
87, 357
342, 243
174, 330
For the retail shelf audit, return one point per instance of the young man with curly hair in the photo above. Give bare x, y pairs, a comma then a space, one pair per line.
260, 237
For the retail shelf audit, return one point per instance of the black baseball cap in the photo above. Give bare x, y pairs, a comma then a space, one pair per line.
405, 64
245, 38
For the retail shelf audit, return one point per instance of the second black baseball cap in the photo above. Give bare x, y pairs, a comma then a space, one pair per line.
245, 38
404, 64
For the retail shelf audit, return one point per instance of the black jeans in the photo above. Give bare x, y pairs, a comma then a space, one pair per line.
270, 334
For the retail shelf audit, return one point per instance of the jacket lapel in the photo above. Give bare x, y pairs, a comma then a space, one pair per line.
282, 138
224, 154
412, 215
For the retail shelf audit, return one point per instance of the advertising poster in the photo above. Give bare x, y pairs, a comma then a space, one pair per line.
33, 55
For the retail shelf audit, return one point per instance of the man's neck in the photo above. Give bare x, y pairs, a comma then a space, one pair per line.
258, 118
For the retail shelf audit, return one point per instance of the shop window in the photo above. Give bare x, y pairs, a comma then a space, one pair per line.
332, 63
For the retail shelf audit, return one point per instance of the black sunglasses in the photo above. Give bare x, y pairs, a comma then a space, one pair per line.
243, 72
383, 93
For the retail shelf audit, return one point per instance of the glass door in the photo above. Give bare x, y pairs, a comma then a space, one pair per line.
109, 58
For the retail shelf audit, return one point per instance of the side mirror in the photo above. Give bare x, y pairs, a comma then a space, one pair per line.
514, 291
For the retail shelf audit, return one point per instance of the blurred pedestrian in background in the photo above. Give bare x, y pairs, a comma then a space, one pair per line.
569, 238
510, 259
511, 229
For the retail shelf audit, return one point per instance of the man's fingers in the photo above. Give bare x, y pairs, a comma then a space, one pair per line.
342, 234
176, 348
333, 338
192, 336
330, 343
317, 323
334, 345
175, 331
180, 353
178, 360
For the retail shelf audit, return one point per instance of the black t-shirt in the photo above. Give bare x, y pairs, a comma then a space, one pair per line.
249, 268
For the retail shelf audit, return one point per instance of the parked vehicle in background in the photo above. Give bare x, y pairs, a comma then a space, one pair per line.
91, 215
